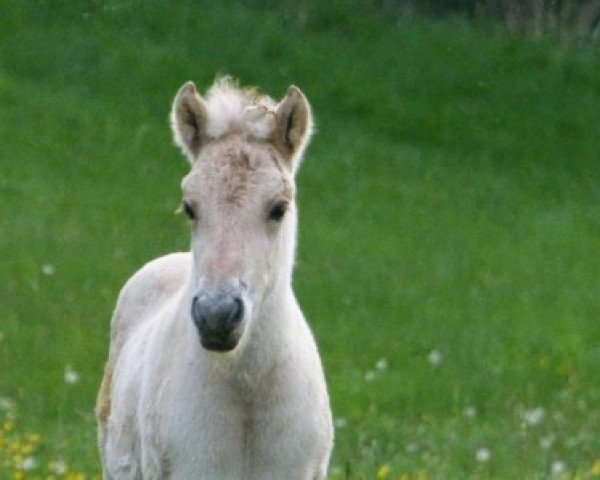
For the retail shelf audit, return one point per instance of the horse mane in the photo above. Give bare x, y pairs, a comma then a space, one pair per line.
231, 109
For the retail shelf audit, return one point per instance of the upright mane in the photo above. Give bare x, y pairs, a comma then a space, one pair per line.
231, 109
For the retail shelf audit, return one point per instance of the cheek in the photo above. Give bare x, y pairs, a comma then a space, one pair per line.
258, 257
276, 256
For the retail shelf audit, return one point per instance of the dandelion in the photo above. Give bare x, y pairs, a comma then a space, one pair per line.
75, 476
547, 441
557, 467
340, 422
71, 376
6, 404
571, 442
483, 455
469, 411
33, 438
435, 358
383, 471
412, 448
422, 475
48, 269
534, 416
58, 467
27, 464
26, 449
558, 417
382, 364
336, 471
8, 426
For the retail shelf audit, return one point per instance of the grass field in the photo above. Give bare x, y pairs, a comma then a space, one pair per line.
449, 254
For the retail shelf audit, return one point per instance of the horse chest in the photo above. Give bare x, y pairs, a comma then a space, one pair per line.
226, 439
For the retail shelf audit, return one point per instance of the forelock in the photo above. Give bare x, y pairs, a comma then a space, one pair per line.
231, 109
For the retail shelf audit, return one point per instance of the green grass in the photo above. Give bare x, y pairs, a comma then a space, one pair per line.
449, 204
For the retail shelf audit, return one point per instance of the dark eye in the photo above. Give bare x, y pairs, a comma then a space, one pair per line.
278, 211
189, 211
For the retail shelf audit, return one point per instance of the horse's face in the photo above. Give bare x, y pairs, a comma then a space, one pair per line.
239, 198
240, 204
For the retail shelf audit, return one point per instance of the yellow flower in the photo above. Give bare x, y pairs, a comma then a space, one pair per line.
596, 468
75, 476
422, 475
27, 449
383, 471
14, 446
8, 426
33, 438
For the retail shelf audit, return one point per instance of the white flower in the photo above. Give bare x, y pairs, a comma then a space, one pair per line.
470, 411
59, 467
48, 269
6, 404
71, 376
27, 464
571, 442
336, 471
412, 448
382, 364
483, 454
435, 357
340, 422
547, 441
557, 467
370, 376
534, 416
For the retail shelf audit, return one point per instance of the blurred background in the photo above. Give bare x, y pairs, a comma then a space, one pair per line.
449, 245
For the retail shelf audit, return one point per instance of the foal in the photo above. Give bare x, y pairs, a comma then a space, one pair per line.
213, 372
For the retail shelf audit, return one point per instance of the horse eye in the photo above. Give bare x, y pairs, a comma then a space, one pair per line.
278, 211
189, 211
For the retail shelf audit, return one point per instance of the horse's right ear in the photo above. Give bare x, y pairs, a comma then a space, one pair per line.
188, 120
293, 126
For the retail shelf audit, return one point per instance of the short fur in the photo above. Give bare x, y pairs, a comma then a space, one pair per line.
168, 408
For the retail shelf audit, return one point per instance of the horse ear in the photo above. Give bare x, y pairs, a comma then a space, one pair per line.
188, 120
293, 126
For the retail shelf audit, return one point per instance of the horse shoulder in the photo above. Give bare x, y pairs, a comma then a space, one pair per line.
143, 293
146, 291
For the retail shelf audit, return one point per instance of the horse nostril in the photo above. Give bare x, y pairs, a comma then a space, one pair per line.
237, 312
218, 314
196, 311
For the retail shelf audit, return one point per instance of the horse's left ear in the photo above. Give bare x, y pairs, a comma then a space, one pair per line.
293, 127
188, 120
